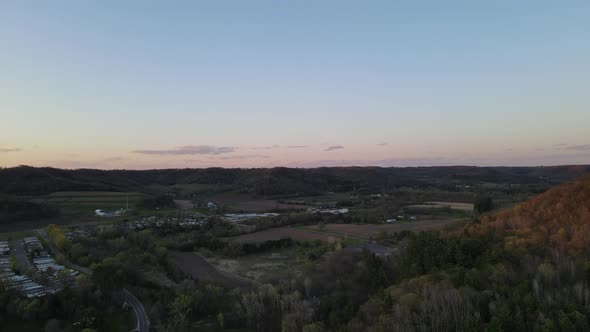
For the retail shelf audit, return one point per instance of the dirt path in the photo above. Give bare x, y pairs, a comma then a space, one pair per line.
21, 257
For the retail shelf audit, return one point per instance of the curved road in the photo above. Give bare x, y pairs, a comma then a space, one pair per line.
143, 322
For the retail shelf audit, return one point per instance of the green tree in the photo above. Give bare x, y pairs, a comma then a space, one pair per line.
109, 277
483, 204
180, 309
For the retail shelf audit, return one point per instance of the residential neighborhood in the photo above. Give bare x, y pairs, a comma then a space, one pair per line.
26, 266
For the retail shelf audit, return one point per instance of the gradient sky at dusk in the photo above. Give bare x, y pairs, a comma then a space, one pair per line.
146, 84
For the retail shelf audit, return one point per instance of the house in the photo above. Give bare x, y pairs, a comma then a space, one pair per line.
4, 249
212, 206
329, 211
102, 213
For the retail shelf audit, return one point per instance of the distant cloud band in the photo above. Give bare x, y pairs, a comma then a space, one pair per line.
190, 150
10, 150
334, 147
244, 157
585, 147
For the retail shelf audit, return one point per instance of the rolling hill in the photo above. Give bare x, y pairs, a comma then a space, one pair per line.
25, 180
558, 218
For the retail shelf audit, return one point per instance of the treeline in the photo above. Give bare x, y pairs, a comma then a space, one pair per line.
157, 202
79, 308
475, 284
14, 209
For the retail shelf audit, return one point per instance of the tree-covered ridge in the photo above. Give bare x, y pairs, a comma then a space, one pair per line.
558, 219
521, 269
26, 180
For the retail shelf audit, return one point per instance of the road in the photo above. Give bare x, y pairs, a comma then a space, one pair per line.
143, 322
56, 253
21, 257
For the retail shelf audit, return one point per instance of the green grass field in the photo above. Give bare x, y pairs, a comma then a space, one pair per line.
85, 203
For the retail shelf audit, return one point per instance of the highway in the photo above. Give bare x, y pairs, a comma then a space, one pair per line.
143, 322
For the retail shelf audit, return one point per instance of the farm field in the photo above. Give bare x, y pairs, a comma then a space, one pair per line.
184, 190
367, 231
324, 200
197, 267
87, 202
282, 233
260, 267
246, 203
437, 205
28, 225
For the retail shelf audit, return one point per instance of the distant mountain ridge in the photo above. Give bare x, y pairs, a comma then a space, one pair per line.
25, 180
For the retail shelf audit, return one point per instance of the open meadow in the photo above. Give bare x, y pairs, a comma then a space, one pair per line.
197, 267
261, 267
278, 233
437, 205
367, 231
240, 202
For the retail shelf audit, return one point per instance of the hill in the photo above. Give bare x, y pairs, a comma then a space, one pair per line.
558, 218
525, 268
25, 180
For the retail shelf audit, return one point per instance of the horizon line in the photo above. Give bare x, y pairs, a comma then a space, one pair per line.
295, 167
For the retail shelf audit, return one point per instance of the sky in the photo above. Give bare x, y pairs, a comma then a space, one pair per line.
174, 84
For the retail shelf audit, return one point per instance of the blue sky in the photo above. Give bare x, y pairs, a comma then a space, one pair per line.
144, 84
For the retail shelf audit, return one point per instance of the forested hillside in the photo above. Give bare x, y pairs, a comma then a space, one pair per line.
558, 218
26, 180
522, 269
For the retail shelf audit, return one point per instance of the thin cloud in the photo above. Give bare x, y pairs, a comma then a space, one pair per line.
297, 146
275, 146
585, 147
190, 150
10, 150
244, 157
383, 144
334, 147
559, 146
